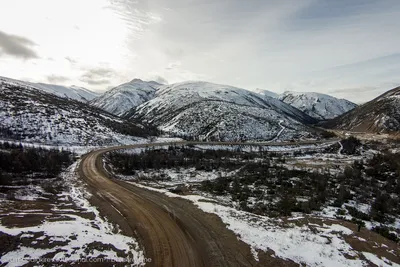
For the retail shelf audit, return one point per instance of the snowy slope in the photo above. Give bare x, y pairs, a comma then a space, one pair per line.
73, 92
316, 105
266, 93
126, 96
31, 115
221, 112
379, 115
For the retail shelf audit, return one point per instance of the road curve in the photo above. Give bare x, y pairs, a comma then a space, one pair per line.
172, 230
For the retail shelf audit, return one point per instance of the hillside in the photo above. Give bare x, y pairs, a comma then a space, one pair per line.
126, 96
29, 114
206, 110
72, 92
316, 105
266, 93
382, 114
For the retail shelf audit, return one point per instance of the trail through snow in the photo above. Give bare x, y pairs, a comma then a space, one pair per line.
341, 148
280, 132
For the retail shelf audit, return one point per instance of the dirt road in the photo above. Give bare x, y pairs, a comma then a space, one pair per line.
173, 231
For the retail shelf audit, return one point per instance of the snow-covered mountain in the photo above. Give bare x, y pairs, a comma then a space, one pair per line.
381, 114
72, 92
221, 112
30, 114
126, 96
266, 93
316, 105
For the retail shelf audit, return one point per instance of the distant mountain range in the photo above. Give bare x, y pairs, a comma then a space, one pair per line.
221, 112
192, 109
72, 92
28, 113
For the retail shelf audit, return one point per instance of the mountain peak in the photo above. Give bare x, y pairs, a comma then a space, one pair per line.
122, 98
136, 80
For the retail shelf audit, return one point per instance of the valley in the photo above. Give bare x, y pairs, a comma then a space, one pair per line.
193, 174
150, 133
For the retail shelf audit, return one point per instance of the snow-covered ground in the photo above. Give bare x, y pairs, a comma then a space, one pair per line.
172, 177
332, 212
80, 150
309, 245
82, 235
248, 147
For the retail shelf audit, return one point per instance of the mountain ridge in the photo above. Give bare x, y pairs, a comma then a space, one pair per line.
317, 105
72, 92
221, 112
382, 114
126, 96
33, 115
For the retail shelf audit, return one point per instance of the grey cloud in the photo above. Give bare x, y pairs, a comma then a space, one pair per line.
71, 60
175, 52
16, 46
97, 76
353, 90
97, 82
57, 79
173, 65
159, 79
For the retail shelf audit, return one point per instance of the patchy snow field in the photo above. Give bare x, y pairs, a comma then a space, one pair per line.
80, 150
311, 244
172, 177
248, 147
70, 231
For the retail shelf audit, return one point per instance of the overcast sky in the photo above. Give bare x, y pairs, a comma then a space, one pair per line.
347, 48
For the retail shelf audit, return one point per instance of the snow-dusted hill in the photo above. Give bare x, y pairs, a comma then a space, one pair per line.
126, 96
206, 110
316, 105
266, 93
72, 92
381, 114
32, 115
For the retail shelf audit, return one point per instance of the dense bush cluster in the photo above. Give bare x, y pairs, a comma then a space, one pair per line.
351, 146
377, 179
178, 157
19, 162
132, 129
386, 232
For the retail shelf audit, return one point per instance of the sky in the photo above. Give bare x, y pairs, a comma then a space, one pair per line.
346, 48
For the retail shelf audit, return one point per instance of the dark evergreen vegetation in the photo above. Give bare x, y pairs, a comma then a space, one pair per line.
18, 163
